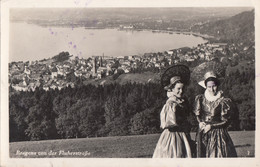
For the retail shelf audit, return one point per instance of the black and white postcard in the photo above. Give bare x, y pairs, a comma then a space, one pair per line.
129, 83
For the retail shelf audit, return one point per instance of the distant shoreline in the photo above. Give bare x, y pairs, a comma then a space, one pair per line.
169, 32
196, 34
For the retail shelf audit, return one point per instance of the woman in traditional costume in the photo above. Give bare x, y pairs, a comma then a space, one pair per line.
213, 112
174, 141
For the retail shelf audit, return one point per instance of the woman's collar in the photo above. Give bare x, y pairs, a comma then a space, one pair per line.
172, 97
209, 97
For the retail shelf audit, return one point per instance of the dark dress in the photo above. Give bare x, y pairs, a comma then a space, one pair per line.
216, 142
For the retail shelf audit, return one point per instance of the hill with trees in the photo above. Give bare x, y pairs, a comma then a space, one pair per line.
238, 28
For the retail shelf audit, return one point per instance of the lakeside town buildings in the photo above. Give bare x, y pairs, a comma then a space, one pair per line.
49, 74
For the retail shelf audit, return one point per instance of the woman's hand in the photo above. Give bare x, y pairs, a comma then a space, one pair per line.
207, 128
202, 125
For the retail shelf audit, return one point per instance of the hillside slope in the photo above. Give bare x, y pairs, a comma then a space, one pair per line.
237, 28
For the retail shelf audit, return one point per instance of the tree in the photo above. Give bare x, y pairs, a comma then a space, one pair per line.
17, 124
41, 124
134, 101
144, 122
62, 108
111, 109
92, 119
19, 105
62, 57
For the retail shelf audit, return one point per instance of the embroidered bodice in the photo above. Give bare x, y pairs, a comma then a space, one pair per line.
216, 112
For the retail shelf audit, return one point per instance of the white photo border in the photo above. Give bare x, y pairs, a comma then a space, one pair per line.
5, 160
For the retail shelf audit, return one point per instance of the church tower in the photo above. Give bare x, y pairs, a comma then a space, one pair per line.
94, 66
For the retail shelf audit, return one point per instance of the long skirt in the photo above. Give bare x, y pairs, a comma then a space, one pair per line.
172, 145
215, 144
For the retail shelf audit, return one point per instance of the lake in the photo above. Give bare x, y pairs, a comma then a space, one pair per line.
32, 42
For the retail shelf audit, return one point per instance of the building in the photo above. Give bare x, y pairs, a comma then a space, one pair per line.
54, 72
94, 69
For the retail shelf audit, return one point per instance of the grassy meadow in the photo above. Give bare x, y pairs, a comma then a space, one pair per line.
139, 146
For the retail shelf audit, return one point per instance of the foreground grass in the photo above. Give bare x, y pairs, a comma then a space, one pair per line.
139, 146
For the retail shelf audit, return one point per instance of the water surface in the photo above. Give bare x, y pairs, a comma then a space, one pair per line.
33, 42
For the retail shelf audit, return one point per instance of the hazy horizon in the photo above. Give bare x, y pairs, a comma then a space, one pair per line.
177, 13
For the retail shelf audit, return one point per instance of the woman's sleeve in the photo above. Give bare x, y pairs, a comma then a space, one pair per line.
197, 106
167, 115
226, 112
163, 117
